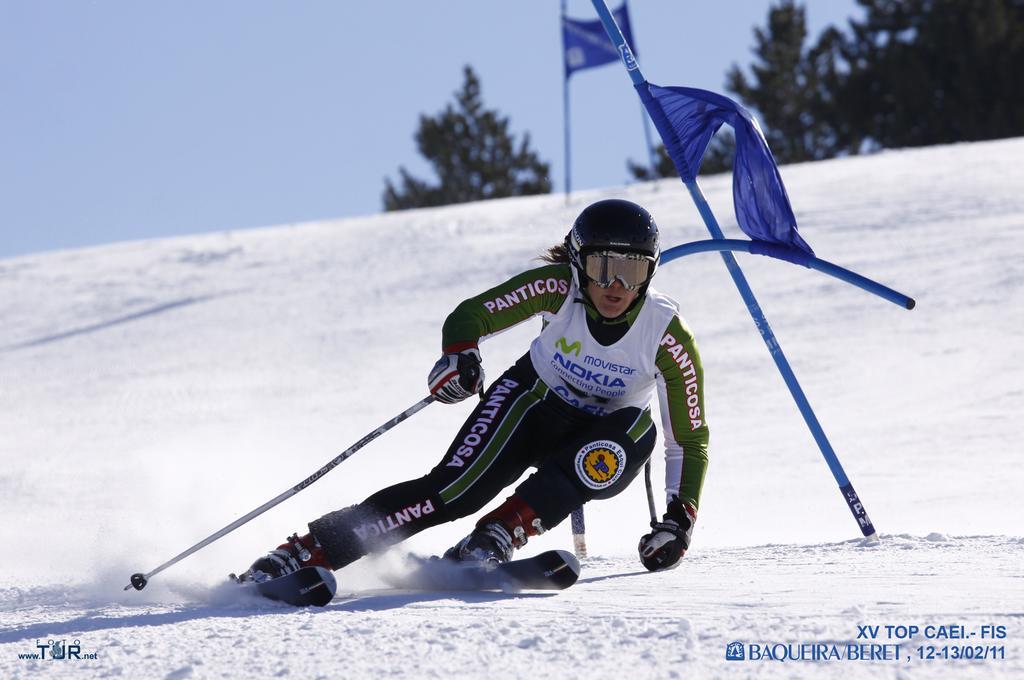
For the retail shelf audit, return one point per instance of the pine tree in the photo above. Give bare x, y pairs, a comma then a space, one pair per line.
934, 71
718, 158
790, 86
909, 73
473, 155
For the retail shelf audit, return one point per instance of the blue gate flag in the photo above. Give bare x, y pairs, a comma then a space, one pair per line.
587, 45
687, 119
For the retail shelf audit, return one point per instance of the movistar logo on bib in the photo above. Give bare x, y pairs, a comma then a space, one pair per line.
567, 348
592, 374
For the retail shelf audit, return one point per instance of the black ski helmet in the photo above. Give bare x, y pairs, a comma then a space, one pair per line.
614, 225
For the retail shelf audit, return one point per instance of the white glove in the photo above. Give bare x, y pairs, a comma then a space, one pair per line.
456, 376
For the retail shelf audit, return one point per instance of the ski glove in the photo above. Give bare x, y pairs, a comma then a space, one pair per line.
667, 543
456, 376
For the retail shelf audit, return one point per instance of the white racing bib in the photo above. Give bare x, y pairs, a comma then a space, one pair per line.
591, 376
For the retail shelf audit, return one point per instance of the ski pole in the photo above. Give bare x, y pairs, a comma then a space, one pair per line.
650, 491
579, 532
139, 581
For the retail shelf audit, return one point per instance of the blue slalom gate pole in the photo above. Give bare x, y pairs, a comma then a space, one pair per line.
852, 500
793, 255
565, 119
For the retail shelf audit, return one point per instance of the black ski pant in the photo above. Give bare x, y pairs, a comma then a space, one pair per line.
520, 423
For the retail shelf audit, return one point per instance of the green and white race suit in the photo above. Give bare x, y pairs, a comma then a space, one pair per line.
657, 350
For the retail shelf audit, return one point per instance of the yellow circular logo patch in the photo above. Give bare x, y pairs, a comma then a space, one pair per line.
599, 464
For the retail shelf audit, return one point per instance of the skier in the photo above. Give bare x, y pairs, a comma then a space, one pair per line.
576, 407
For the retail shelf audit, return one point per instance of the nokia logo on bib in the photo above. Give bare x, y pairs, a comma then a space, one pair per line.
596, 376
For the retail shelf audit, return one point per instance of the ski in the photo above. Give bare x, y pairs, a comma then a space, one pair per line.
551, 570
316, 586
306, 587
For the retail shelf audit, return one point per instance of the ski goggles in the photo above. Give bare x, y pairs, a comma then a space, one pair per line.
631, 269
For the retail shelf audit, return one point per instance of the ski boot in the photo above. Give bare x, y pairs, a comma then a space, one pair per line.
292, 555
498, 534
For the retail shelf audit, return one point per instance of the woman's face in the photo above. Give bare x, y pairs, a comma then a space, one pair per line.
612, 301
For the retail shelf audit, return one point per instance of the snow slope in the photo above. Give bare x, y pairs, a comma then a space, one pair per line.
151, 392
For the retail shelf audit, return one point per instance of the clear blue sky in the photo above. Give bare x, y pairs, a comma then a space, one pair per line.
123, 119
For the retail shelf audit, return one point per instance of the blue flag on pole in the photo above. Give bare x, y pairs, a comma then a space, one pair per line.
587, 45
687, 119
